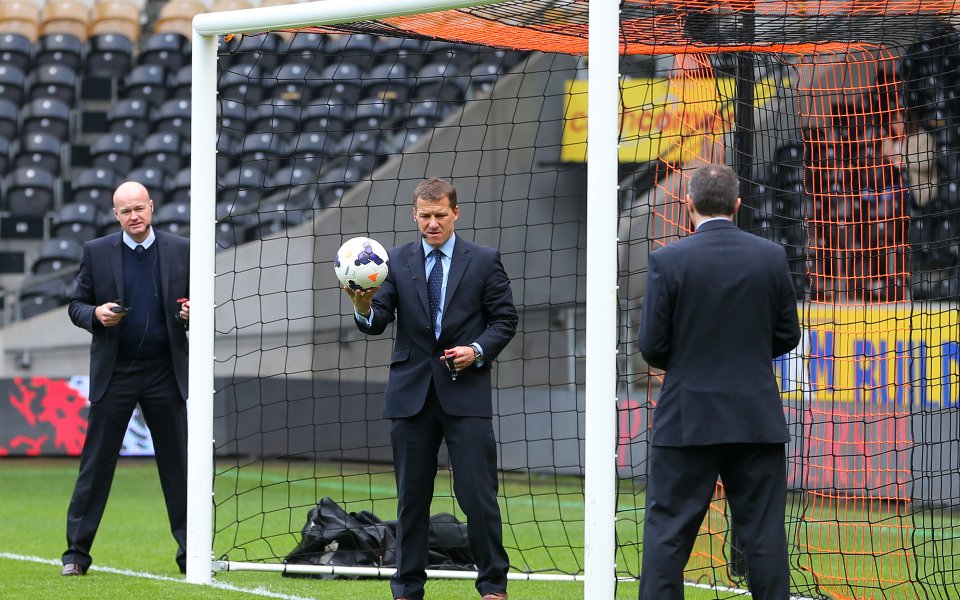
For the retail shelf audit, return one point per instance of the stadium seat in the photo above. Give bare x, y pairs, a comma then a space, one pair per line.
312, 148
331, 117
441, 82
40, 294
13, 84
9, 119
481, 81
294, 176
40, 150
388, 82
170, 50
70, 17
60, 49
371, 114
16, 50
356, 49
307, 49
281, 117
149, 82
330, 194
20, 17
57, 255
424, 115
228, 151
119, 17
131, 115
78, 221
109, 55
176, 16
232, 116
347, 170
340, 83
266, 50
411, 53
54, 81
94, 185
242, 82
4, 155
243, 186
30, 192
294, 82
114, 152
367, 142
46, 115
108, 223
174, 217
263, 147
174, 117
277, 215
164, 151
180, 186
156, 182
183, 82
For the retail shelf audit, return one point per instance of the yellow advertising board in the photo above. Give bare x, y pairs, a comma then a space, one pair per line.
891, 354
659, 118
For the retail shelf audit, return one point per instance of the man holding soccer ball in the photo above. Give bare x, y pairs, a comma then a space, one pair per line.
454, 310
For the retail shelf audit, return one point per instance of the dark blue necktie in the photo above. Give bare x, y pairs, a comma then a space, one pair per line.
435, 285
139, 249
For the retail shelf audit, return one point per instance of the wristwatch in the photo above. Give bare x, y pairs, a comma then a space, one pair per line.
478, 360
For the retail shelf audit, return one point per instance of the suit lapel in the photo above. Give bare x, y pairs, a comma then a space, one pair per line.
416, 263
458, 266
164, 272
116, 262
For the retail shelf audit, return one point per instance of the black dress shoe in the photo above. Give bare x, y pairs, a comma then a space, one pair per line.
73, 569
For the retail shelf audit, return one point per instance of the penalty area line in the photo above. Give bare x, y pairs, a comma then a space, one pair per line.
144, 575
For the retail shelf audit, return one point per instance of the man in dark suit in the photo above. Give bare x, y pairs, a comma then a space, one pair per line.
719, 307
449, 297
131, 296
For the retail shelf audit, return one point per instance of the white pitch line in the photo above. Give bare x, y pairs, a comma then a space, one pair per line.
143, 575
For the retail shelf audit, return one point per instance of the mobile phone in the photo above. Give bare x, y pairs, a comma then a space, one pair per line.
121, 309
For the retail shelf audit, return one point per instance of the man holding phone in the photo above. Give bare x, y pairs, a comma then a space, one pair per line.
131, 295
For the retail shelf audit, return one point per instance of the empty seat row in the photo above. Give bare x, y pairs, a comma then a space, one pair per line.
72, 17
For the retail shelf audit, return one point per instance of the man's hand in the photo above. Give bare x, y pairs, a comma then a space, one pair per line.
106, 316
184, 309
463, 357
362, 299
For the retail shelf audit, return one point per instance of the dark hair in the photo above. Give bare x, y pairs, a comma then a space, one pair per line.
434, 189
714, 190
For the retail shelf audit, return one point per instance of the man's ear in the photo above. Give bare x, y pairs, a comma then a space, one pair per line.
736, 206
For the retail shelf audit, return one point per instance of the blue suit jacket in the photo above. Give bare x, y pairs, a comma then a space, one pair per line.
719, 307
478, 307
100, 280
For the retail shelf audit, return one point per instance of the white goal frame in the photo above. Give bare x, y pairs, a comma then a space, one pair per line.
601, 290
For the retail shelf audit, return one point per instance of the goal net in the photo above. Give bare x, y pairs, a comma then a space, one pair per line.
841, 121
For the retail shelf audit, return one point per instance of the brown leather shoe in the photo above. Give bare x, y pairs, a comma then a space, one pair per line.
495, 596
73, 569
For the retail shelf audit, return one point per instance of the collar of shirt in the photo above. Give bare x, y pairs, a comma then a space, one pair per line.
708, 219
446, 247
132, 244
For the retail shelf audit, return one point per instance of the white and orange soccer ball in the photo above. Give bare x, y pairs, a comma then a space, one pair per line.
361, 263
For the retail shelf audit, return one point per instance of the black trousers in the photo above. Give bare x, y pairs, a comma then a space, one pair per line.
473, 456
150, 383
679, 489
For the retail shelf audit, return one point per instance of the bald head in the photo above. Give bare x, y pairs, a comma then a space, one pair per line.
133, 209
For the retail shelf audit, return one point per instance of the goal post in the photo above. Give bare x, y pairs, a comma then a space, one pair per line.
601, 343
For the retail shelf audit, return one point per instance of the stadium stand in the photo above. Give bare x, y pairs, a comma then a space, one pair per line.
16, 50
69, 17
20, 17
60, 49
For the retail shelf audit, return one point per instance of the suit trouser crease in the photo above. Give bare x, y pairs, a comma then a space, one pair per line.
152, 385
681, 485
472, 448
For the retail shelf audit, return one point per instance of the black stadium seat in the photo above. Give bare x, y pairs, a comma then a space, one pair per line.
95, 186
243, 185
307, 48
4, 155
406, 51
57, 255
356, 49
242, 82
180, 186
173, 217
9, 119
388, 82
440, 81
131, 115
174, 117
54, 81
30, 192
41, 294
170, 50
46, 115
340, 83
40, 150
60, 49
183, 82
149, 82
331, 117
155, 180
312, 148
13, 83
263, 147
294, 82
164, 151
78, 221
233, 116
280, 116
114, 152
16, 50
266, 50
109, 56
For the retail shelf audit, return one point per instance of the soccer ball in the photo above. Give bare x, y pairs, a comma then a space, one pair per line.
361, 263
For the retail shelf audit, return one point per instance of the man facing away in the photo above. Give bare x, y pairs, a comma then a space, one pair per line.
719, 307
131, 296
454, 310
